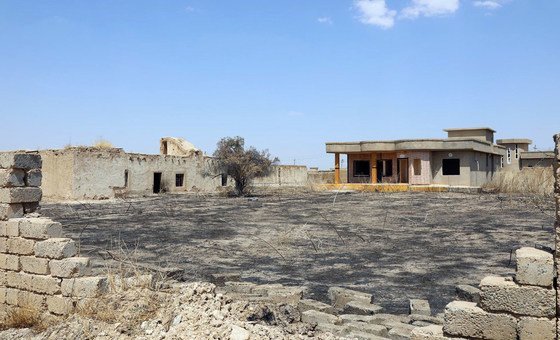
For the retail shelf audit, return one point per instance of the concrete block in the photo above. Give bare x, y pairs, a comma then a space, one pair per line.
534, 267
8, 211
378, 330
3, 277
18, 280
87, 287
45, 284
3, 244
465, 319
316, 317
426, 318
536, 329
468, 293
389, 319
12, 296
60, 305
501, 295
361, 308
349, 318
21, 246
400, 333
362, 336
341, 296
239, 287
31, 207
2, 295
39, 228
417, 306
432, 332
336, 330
34, 265
70, 267
12, 227
30, 300
20, 195
309, 304
20, 160
56, 248
33, 178
9, 262
12, 178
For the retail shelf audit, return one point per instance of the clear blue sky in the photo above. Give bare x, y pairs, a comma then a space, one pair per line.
286, 75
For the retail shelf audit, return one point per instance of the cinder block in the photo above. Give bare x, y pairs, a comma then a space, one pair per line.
341, 296
20, 245
56, 248
30, 300
465, 319
418, 306
534, 267
12, 178
60, 305
70, 267
33, 178
467, 293
309, 304
501, 295
85, 287
316, 317
20, 195
12, 227
8, 211
45, 284
3, 277
361, 308
34, 265
3, 244
9, 262
19, 280
20, 160
12, 296
39, 228
536, 329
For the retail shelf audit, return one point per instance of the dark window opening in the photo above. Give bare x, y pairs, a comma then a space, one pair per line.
126, 178
451, 167
384, 169
165, 147
179, 178
224, 180
361, 168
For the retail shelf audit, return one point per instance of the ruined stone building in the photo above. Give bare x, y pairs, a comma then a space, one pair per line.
467, 157
99, 173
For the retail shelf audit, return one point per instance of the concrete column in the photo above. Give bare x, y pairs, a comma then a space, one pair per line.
373, 165
337, 168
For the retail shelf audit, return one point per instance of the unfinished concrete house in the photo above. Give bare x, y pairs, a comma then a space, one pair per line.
518, 155
467, 157
99, 173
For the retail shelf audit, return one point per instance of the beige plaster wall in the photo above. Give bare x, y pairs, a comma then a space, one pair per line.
284, 175
58, 174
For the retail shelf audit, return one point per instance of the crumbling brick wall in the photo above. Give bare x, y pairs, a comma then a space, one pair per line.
39, 268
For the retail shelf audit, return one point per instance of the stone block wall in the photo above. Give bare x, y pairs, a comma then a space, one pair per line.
557, 200
39, 268
523, 307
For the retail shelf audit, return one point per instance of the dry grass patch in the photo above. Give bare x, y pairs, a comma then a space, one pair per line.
25, 317
538, 181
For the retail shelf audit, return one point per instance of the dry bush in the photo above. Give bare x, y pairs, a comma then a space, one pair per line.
539, 181
103, 144
24, 317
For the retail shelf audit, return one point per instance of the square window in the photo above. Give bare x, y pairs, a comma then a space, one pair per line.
179, 180
451, 167
361, 168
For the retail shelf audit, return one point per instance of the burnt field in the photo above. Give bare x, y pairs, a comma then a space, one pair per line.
396, 246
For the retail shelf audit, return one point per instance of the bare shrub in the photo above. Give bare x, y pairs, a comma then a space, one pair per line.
539, 181
103, 144
24, 317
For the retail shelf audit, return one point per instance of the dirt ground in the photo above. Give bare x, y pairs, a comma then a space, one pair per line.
396, 246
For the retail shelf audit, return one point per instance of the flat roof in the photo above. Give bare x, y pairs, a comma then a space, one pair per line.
414, 144
469, 129
537, 155
514, 141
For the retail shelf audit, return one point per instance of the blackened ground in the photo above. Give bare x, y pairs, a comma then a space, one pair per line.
397, 246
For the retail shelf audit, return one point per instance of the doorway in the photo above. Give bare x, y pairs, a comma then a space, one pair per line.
403, 170
157, 182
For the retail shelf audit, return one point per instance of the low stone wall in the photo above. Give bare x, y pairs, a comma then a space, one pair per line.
523, 307
39, 268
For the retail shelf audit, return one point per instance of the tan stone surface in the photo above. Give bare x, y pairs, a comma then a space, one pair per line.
39, 228
21, 246
501, 295
534, 267
59, 304
20, 160
87, 287
10, 211
56, 248
465, 319
9, 262
20, 195
70, 267
537, 329
34, 265
12, 178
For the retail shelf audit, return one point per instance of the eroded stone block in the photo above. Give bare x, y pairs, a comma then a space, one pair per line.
465, 319
316, 317
39, 228
8, 211
534, 267
537, 329
33, 178
418, 306
20, 160
60, 305
20, 195
56, 248
501, 295
70, 267
87, 287
21, 246
12, 178
341, 296
34, 265
9, 262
